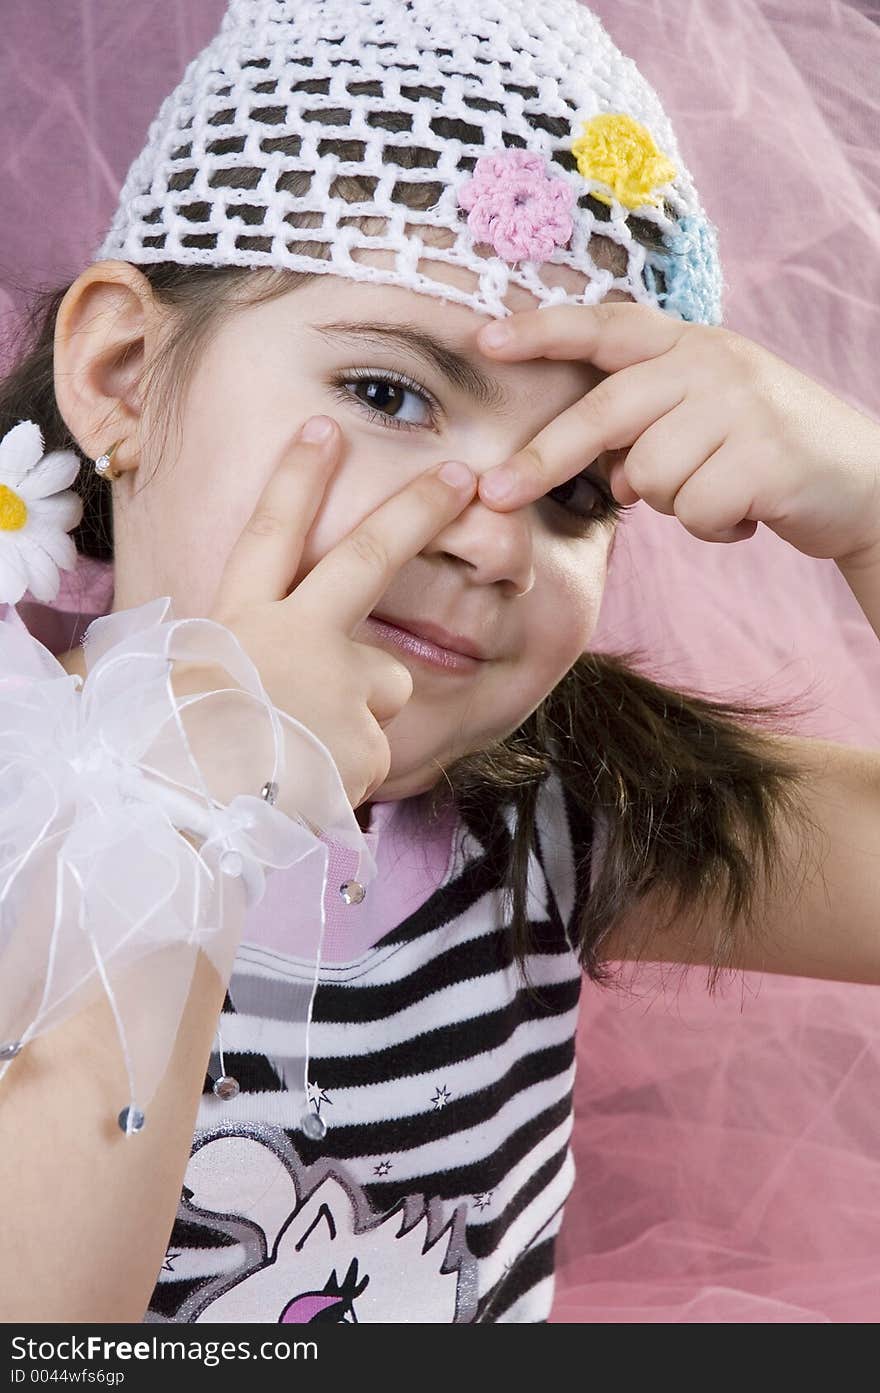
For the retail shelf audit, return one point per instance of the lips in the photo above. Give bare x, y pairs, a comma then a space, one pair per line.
434, 633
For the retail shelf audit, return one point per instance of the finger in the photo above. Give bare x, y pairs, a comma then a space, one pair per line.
716, 503
348, 581
266, 556
668, 453
390, 686
611, 336
611, 416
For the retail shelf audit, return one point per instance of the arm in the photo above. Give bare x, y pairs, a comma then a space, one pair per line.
862, 574
88, 1211
824, 920
829, 927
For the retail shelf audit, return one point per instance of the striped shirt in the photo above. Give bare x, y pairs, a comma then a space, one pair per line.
445, 1082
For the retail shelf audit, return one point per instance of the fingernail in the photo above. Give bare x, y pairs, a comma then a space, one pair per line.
456, 474
495, 335
317, 428
496, 483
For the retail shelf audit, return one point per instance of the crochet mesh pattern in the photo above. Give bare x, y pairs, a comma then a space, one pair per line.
309, 129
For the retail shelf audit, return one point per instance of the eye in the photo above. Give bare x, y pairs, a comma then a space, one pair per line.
389, 397
589, 499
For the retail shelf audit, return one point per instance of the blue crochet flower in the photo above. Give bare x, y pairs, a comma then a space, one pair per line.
691, 270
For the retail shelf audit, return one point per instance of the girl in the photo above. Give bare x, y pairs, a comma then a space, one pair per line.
433, 636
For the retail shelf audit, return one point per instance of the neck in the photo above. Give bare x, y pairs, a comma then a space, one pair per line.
73, 661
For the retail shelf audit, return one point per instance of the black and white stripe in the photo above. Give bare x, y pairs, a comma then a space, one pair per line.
438, 1010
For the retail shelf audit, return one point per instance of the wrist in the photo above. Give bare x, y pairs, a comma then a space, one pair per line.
861, 571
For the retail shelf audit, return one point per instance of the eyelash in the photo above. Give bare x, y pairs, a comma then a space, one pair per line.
610, 509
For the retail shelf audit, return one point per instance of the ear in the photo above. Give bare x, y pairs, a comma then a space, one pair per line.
106, 329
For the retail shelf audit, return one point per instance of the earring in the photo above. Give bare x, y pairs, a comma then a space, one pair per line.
104, 464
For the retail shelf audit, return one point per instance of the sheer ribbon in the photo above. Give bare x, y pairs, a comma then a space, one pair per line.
99, 891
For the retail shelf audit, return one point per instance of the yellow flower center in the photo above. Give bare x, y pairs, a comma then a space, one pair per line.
13, 510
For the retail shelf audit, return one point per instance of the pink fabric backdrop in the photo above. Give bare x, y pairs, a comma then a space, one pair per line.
728, 1151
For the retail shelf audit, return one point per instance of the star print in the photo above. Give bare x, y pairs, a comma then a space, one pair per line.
169, 1259
482, 1201
383, 1168
317, 1096
441, 1097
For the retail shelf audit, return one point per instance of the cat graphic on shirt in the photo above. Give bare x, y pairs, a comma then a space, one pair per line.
309, 1247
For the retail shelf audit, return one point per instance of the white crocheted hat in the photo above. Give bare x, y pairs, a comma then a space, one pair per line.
515, 128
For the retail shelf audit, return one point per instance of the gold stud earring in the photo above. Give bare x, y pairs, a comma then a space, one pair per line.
104, 464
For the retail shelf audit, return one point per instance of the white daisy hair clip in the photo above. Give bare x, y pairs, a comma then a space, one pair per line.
38, 509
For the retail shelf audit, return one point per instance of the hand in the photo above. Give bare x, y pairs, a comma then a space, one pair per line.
300, 640
705, 425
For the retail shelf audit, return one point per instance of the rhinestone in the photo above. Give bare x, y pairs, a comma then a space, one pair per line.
131, 1120
226, 1087
102, 464
314, 1125
9, 1050
231, 863
352, 892
269, 791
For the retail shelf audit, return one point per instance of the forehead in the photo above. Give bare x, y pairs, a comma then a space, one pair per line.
386, 320
534, 383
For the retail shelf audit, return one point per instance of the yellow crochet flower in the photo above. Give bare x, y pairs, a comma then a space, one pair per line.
621, 153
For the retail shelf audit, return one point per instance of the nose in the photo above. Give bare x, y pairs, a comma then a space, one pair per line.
495, 547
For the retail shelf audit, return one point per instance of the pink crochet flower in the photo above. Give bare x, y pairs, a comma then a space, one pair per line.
514, 203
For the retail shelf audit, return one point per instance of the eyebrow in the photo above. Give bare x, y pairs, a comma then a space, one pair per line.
462, 372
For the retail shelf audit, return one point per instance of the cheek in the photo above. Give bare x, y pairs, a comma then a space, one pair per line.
556, 646
354, 491
574, 582
562, 618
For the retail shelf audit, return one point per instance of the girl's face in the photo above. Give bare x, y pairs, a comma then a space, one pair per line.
525, 586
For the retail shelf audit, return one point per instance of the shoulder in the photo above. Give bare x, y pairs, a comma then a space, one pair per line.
568, 845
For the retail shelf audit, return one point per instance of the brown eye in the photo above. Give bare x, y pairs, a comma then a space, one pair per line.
587, 498
384, 396
389, 398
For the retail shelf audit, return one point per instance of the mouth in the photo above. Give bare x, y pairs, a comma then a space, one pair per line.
431, 644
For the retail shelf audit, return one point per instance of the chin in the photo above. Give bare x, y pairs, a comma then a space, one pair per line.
401, 786
393, 790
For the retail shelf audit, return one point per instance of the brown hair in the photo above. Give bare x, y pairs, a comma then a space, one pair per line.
691, 790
